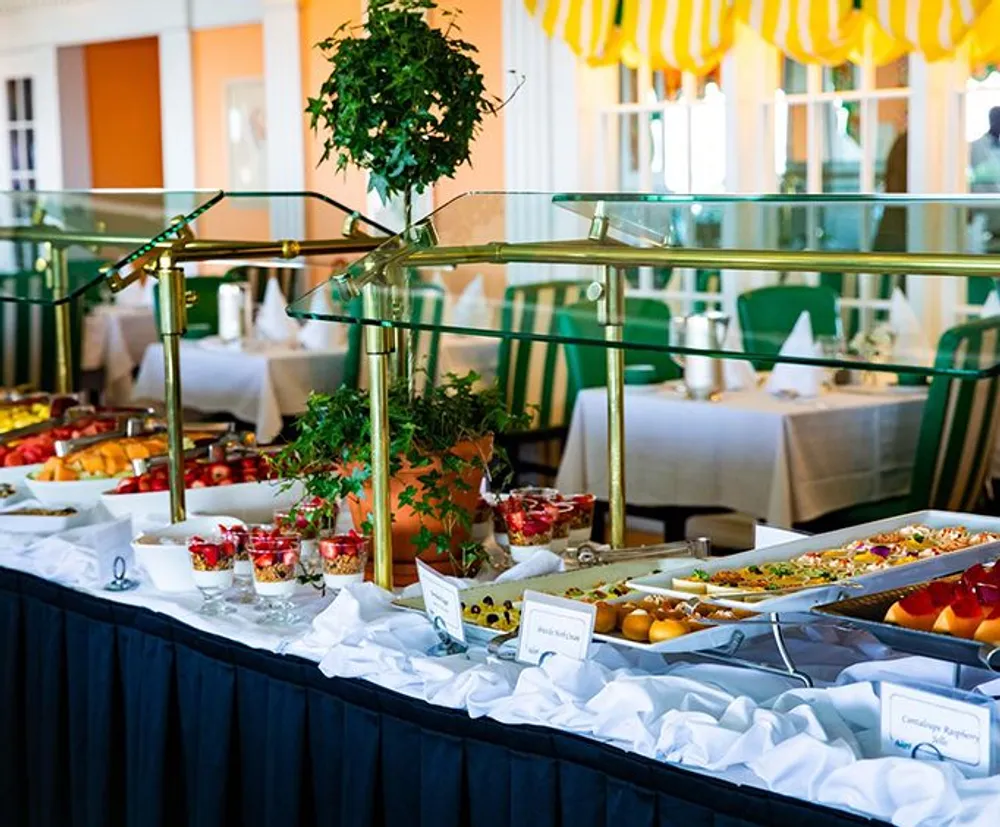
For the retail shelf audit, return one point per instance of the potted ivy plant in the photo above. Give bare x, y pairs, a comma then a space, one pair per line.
441, 446
403, 101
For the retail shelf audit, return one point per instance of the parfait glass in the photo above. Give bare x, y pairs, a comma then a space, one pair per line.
244, 593
529, 531
344, 557
274, 558
308, 519
212, 561
582, 524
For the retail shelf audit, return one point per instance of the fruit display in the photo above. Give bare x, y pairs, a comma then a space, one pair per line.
199, 473
966, 607
879, 552
41, 447
103, 460
17, 416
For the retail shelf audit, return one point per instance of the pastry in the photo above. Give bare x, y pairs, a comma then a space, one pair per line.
607, 618
666, 630
636, 625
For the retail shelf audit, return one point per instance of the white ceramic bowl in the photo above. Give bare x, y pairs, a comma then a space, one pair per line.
163, 552
78, 493
15, 473
252, 502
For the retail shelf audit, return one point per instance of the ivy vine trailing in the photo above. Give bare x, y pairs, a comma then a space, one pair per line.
331, 453
403, 100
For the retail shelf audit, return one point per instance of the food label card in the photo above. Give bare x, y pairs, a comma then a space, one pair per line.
925, 725
554, 624
765, 536
441, 600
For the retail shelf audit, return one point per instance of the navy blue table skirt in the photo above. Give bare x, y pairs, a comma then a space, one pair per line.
111, 715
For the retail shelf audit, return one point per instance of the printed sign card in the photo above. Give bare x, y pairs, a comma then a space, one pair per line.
556, 625
441, 600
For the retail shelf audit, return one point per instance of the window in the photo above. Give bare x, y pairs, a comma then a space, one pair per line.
667, 134
21, 133
842, 129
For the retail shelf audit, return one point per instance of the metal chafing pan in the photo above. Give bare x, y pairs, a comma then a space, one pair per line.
868, 610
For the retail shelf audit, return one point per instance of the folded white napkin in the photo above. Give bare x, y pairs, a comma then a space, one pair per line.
798, 380
471, 308
316, 334
911, 346
540, 563
991, 307
273, 324
137, 294
82, 556
738, 374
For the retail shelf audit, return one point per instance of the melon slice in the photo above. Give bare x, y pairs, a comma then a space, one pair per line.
961, 618
915, 611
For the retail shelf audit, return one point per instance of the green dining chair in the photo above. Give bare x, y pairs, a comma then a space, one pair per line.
427, 305
958, 431
532, 370
768, 314
28, 335
977, 290
203, 315
647, 321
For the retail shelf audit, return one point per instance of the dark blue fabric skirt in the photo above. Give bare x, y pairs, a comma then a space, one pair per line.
112, 715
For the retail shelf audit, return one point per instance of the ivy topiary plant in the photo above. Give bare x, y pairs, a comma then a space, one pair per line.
403, 100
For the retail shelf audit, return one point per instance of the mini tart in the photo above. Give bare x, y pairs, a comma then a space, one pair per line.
636, 625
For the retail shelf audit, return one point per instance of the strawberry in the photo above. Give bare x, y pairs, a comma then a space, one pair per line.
263, 561
289, 558
13, 459
198, 484
159, 484
129, 485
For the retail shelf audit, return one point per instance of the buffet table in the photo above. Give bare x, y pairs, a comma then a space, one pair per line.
781, 460
131, 709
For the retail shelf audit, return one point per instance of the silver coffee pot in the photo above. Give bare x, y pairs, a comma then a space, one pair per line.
703, 375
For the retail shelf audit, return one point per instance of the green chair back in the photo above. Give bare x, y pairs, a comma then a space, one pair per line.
289, 280
532, 372
28, 335
426, 304
978, 289
203, 315
958, 428
768, 314
647, 321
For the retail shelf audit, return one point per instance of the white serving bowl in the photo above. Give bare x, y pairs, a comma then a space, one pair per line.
163, 552
78, 493
252, 502
15, 473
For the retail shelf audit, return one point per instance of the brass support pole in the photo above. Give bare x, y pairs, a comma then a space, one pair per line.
173, 323
402, 359
378, 344
59, 273
613, 301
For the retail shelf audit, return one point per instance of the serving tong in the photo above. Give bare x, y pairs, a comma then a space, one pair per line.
596, 554
229, 442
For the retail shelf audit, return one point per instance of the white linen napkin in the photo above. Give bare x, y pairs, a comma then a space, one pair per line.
991, 307
316, 334
540, 563
911, 346
471, 308
273, 324
797, 380
738, 374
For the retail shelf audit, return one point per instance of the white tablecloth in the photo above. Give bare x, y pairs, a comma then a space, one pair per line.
115, 338
267, 382
743, 726
258, 385
779, 460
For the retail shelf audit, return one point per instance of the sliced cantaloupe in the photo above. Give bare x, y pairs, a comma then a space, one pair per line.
959, 620
65, 474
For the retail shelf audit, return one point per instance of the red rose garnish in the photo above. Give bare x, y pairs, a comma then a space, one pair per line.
941, 593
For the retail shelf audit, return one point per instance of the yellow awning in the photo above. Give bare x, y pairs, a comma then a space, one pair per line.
693, 35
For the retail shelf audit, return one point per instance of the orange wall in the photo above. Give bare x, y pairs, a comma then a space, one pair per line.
123, 104
219, 56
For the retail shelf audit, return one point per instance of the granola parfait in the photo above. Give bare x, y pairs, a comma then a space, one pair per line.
212, 569
482, 521
274, 555
242, 568
529, 532
501, 504
344, 557
582, 523
308, 519
561, 514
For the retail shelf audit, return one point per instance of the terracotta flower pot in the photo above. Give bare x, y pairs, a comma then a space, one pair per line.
406, 522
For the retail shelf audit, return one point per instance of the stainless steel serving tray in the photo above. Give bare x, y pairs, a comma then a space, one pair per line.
805, 599
714, 637
867, 611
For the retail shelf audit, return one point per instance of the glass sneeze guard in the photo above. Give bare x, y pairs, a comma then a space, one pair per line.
465, 240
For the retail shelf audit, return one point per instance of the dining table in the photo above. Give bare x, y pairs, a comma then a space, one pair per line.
263, 382
114, 340
782, 460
